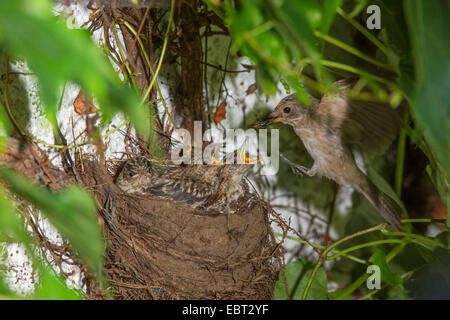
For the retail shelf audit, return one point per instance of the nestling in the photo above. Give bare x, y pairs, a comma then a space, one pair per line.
214, 185
329, 128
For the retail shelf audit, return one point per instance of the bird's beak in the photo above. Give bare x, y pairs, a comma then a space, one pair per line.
214, 161
238, 156
267, 121
242, 156
245, 157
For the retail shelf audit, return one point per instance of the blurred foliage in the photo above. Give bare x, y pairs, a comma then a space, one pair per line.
273, 34
72, 212
428, 26
428, 22
311, 42
302, 44
286, 38
49, 284
56, 54
30, 31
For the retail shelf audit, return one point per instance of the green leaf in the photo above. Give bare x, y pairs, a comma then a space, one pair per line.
428, 29
5, 125
11, 230
276, 35
329, 8
379, 259
57, 54
49, 285
72, 212
52, 287
300, 19
246, 19
428, 25
297, 274
11, 225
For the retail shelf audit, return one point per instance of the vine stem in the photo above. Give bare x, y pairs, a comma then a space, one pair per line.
415, 236
352, 50
319, 246
364, 245
136, 36
125, 63
22, 131
318, 86
401, 244
330, 247
153, 74
163, 52
363, 30
355, 70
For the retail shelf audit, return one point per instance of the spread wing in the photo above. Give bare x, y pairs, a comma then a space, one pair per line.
371, 125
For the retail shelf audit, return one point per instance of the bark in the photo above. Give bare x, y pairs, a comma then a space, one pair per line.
190, 97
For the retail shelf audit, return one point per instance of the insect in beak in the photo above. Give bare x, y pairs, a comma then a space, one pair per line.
263, 123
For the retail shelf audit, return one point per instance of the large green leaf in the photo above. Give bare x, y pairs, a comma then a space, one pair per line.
57, 54
72, 212
428, 26
329, 8
297, 274
5, 126
52, 287
48, 285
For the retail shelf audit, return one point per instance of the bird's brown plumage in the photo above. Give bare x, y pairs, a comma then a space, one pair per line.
209, 185
329, 129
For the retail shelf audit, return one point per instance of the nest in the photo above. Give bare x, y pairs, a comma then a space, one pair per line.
159, 249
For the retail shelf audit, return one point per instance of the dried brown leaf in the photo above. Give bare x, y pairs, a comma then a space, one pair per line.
81, 102
220, 114
251, 88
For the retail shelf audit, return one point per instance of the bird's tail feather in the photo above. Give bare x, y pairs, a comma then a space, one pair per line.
385, 205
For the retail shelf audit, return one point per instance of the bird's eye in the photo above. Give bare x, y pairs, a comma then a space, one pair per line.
287, 110
131, 174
